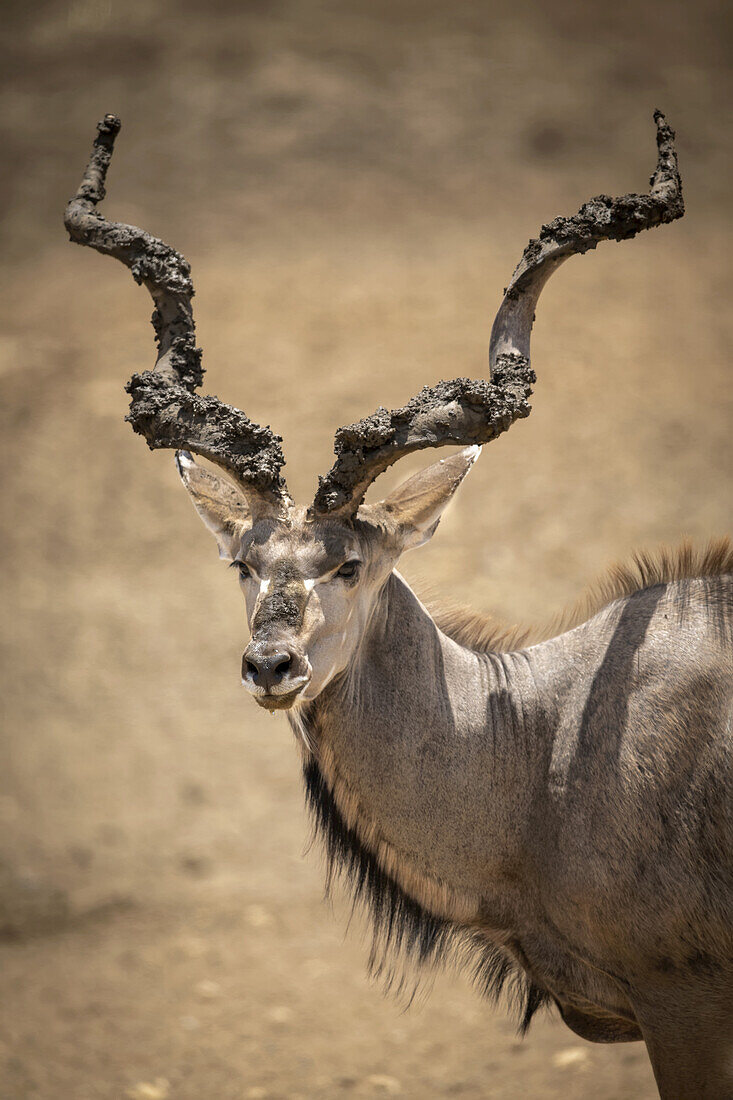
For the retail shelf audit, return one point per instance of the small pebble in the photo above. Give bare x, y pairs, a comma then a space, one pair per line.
571, 1056
280, 1014
389, 1085
258, 916
150, 1090
208, 990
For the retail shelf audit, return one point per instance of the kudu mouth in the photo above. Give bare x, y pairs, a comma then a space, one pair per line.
275, 675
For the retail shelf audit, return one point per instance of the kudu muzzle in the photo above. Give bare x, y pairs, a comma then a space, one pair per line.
274, 672
274, 667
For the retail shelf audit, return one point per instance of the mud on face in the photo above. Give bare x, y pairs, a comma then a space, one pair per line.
311, 584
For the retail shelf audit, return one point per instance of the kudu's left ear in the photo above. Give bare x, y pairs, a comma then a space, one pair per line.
222, 507
417, 505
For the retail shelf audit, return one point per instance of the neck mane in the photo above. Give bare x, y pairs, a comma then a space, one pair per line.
645, 569
416, 916
435, 737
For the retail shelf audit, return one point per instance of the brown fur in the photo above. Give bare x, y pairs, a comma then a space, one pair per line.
484, 634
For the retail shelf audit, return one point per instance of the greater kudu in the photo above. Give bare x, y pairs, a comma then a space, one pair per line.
557, 814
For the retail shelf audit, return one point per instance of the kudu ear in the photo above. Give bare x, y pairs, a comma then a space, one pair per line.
223, 508
417, 505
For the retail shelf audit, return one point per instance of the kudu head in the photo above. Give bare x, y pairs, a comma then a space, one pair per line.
312, 580
312, 576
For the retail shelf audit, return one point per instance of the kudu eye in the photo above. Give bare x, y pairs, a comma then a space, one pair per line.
349, 568
242, 569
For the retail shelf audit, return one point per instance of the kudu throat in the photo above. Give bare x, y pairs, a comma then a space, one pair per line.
415, 751
417, 745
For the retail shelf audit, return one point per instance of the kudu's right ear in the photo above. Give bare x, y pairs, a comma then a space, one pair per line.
417, 505
223, 508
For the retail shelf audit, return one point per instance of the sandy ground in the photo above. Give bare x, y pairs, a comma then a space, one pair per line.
353, 184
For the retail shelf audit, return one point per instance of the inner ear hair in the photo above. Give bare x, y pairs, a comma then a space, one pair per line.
222, 506
213, 490
419, 502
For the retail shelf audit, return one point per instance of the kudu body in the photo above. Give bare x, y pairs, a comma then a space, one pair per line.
558, 815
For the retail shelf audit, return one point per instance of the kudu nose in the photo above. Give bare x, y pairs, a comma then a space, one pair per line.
266, 669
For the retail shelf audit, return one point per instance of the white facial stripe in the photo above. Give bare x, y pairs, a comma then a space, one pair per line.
264, 585
311, 582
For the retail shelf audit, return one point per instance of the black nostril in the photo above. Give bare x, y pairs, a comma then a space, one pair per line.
268, 669
281, 664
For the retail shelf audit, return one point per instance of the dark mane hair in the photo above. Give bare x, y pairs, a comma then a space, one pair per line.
402, 929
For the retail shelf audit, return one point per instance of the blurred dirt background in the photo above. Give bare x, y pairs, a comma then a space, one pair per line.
353, 184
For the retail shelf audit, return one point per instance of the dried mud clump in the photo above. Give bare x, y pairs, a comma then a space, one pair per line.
168, 415
164, 407
166, 410
461, 411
